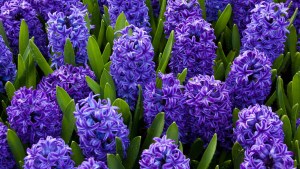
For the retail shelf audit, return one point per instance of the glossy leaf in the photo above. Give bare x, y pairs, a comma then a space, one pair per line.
182, 76
132, 152
120, 22
138, 113
208, 153
166, 54
77, 155
113, 162
106, 53
3, 34
125, 111
15, 146
287, 129
69, 55
106, 78
101, 36
95, 58
237, 155
110, 34
63, 98
109, 92
236, 39
158, 36
93, 85
223, 20
172, 132
23, 37
10, 90
119, 147
68, 122
196, 149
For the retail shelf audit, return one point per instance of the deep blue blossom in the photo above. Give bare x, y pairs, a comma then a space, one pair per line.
298, 122
209, 107
242, 12
2, 2
156, 7
98, 124
266, 154
92, 164
136, 12
178, 11
213, 7
11, 15
74, 27
194, 48
7, 66
257, 122
291, 10
33, 115
71, 79
168, 98
267, 30
6, 159
132, 63
101, 3
163, 154
49, 153
250, 79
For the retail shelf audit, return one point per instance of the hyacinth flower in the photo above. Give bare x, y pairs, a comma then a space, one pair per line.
7, 66
71, 79
163, 154
49, 153
256, 122
132, 63
267, 30
208, 103
6, 159
74, 27
242, 12
213, 7
92, 164
250, 79
11, 15
136, 12
33, 115
268, 153
291, 10
98, 124
156, 7
194, 48
168, 99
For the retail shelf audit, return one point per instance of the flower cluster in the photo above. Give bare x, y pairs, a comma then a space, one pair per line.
33, 115
163, 154
49, 153
242, 12
178, 11
155, 7
132, 63
296, 23
249, 80
74, 27
98, 124
7, 66
136, 12
6, 158
213, 7
71, 79
92, 164
11, 15
209, 106
267, 30
168, 99
194, 48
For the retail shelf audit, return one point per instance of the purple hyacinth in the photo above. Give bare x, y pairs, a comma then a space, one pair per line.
98, 124
132, 63
242, 12
74, 27
267, 30
250, 79
257, 122
7, 66
6, 159
213, 7
298, 122
101, 3
71, 79
92, 164
194, 48
168, 99
178, 11
156, 7
2, 2
163, 154
273, 154
33, 115
136, 12
291, 10
11, 15
209, 107
49, 153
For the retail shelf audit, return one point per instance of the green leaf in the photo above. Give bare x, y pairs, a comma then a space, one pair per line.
219, 73
120, 22
237, 155
106, 78
158, 36
292, 41
10, 90
39, 58
20, 79
63, 98
223, 20
15, 146
95, 58
166, 54
172, 132
110, 35
297, 134
132, 152
119, 147
235, 116
162, 10
3, 34
287, 129
236, 39
151, 17
196, 149
96, 18
296, 88
109, 92
23, 37
182, 76
208, 153
93, 85
278, 62
292, 19
138, 113
272, 99
68, 122
106, 53
280, 95
221, 54
30, 72
155, 129
113, 162
101, 36
203, 7
294, 117
69, 55
106, 17
125, 110
107, 66
77, 155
